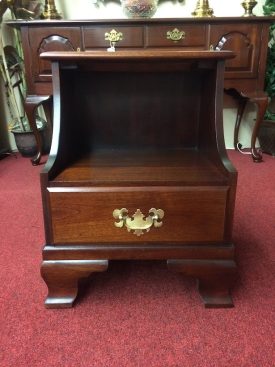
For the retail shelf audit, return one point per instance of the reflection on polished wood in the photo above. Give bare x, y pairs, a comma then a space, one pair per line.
133, 167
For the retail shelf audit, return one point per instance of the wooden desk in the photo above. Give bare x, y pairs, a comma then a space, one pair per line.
244, 76
138, 169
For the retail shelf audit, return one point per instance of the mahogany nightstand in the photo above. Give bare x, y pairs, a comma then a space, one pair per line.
138, 169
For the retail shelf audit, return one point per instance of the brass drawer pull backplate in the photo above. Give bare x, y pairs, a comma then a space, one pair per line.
113, 37
175, 35
138, 223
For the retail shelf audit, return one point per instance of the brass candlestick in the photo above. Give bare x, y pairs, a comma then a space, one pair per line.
203, 9
50, 11
248, 6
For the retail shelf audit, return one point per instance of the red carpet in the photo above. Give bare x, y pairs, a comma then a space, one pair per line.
137, 313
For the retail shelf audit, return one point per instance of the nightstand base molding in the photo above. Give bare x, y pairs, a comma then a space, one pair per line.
216, 273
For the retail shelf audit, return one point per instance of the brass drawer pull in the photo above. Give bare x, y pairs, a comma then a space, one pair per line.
138, 223
175, 35
113, 37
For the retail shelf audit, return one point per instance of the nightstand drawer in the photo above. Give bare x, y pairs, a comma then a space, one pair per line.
193, 36
183, 214
96, 37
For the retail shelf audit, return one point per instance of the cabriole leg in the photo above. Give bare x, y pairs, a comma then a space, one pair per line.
261, 101
31, 104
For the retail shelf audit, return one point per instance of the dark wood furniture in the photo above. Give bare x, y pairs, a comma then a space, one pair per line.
244, 76
138, 169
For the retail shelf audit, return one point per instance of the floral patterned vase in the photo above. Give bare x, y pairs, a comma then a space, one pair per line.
139, 8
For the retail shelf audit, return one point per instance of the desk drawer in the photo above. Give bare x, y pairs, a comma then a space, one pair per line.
85, 215
44, 39
193, 36
94, 37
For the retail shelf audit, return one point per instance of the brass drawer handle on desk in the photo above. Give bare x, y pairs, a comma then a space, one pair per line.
138, 223
113, 37
175, 35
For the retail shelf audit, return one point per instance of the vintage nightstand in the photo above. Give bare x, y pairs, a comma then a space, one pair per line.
138, 169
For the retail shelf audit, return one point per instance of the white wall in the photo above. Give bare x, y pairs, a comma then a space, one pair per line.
85, 9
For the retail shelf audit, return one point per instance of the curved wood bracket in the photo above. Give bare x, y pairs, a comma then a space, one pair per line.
62, 276
215, 279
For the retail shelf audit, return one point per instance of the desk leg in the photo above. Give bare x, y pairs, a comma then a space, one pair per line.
242, 102
48, 110
215, 279
31, 104
261, 100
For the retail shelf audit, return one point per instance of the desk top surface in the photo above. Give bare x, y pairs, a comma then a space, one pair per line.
69, 22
